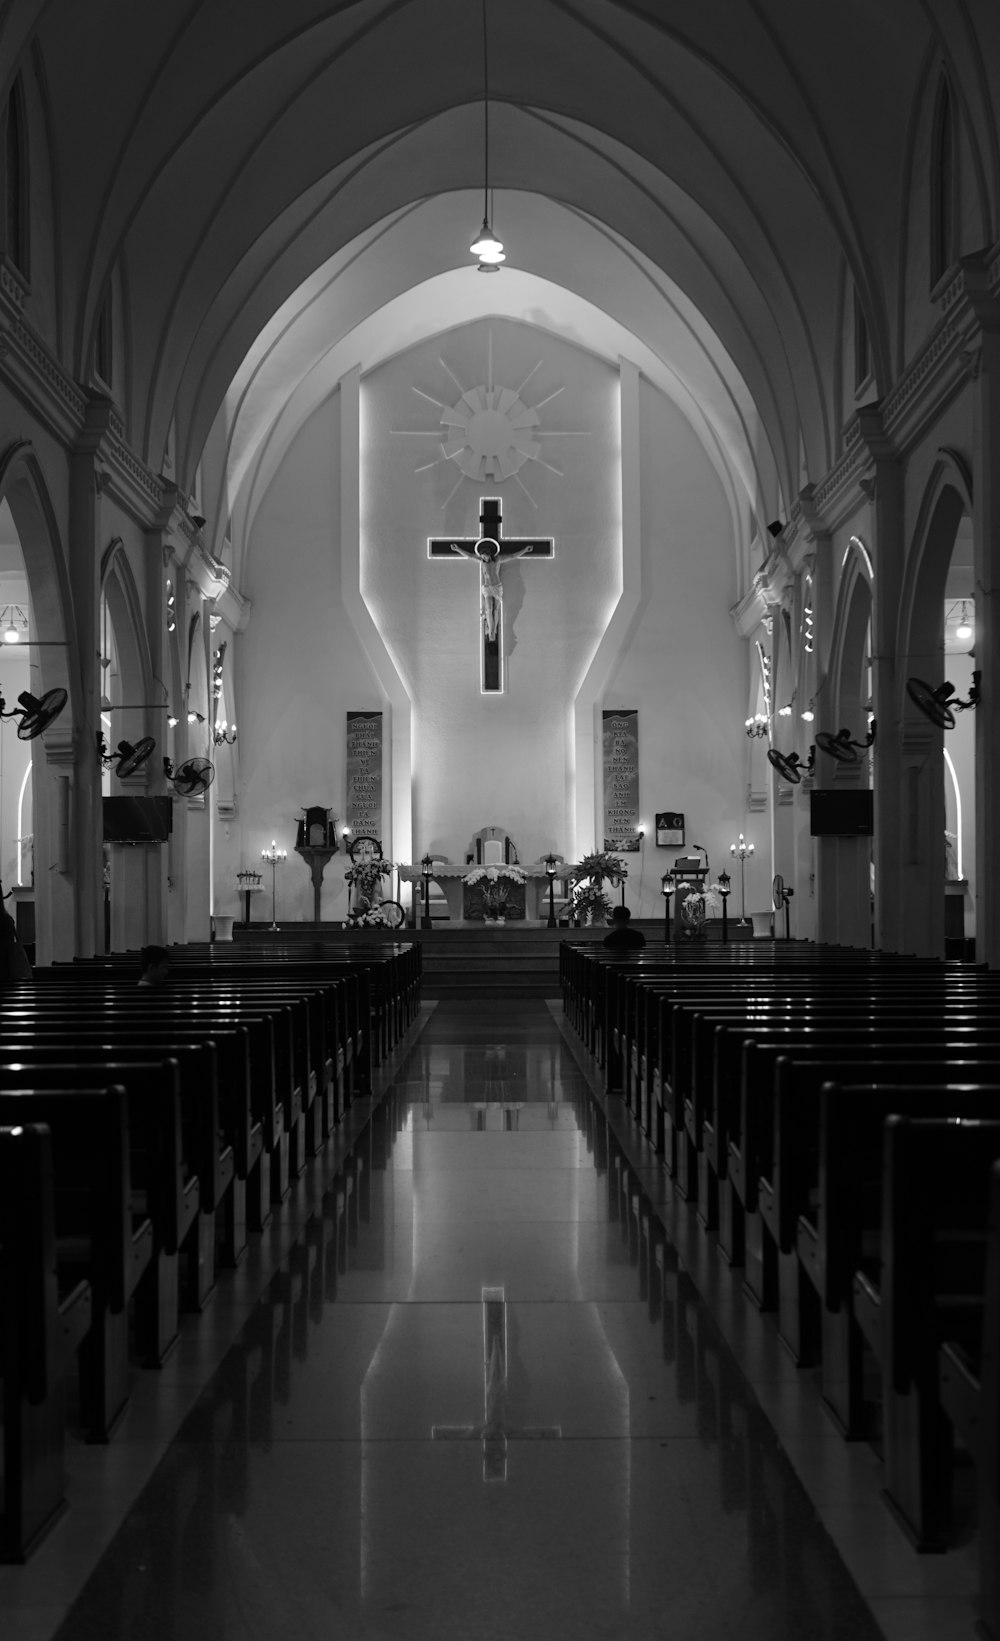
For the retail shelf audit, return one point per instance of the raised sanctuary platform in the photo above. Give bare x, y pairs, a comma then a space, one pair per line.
472, 961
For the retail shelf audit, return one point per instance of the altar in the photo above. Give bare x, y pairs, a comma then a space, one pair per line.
490, 855
464, 904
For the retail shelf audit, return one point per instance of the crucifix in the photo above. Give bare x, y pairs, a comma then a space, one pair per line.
490, 550
494, 1430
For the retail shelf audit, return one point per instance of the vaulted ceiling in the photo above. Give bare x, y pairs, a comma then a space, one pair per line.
269, 184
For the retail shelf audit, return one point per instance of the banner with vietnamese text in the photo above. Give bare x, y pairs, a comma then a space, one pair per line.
621, 780
364, 775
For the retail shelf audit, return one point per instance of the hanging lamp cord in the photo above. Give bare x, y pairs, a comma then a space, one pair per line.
486, 120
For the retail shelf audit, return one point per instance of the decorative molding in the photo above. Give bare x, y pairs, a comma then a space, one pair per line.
13, 285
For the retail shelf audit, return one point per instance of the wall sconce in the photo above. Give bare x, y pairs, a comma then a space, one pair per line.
786, 710
757, 725
223, 736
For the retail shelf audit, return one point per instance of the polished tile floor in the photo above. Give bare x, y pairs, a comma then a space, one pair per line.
468, 1387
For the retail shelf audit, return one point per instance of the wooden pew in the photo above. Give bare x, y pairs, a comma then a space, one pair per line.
100, 1237
969, 1392
43, 1323
161, 1182
930, 1285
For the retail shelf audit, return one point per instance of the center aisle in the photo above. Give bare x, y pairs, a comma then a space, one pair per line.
480, 1401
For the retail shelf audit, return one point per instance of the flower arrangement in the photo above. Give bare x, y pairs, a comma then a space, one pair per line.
590, 903
364, 878
694, 909
496, 884
367, 917
600, 867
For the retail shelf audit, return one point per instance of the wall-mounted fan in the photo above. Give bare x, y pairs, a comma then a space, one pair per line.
193, 776
941, 704
790, 765
842, 747
35, 714
781, 894
128, 758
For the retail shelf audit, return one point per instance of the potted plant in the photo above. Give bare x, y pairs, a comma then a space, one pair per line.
495, 883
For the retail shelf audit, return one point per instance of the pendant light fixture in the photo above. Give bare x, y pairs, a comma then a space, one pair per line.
486, 246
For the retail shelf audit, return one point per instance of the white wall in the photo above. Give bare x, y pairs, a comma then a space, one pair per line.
478, 759
299, 669
486, 759
685, 667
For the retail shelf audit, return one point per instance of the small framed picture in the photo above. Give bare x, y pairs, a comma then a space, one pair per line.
669, 830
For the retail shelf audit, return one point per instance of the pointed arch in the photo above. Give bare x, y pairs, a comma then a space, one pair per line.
944, 183
16, 214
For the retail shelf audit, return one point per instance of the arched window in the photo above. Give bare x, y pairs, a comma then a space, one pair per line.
944, 186
15, 181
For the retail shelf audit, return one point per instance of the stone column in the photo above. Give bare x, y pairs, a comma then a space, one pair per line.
89, 479
903, 920
970, 304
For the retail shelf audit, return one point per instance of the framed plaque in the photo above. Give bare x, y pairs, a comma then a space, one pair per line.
669, 829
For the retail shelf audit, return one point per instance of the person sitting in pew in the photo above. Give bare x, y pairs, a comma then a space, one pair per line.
155, 965
622, 937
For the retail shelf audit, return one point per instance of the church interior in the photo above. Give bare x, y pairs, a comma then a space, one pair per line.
441, 445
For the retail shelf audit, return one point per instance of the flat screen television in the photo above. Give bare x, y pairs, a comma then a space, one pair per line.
137, 820
848, 813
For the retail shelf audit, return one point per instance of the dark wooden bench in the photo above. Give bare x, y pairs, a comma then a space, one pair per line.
100, 1237
969, 1391
929, 1285
43, 1323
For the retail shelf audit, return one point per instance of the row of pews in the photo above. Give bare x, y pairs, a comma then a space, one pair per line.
834, 1118
145, 1134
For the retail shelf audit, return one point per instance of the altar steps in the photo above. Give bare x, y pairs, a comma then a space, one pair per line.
469, 961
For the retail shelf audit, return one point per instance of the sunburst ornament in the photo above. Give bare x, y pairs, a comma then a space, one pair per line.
490, 433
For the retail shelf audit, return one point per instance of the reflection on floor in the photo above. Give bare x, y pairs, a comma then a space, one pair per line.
478, 1396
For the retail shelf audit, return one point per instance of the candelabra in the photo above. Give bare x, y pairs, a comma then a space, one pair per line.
741, 850
273, 856
757, 725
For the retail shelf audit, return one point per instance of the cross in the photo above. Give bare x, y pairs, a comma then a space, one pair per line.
490, 549
494, 1430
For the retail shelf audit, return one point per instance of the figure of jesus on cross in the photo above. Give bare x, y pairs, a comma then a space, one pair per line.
489, 551
490, 585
